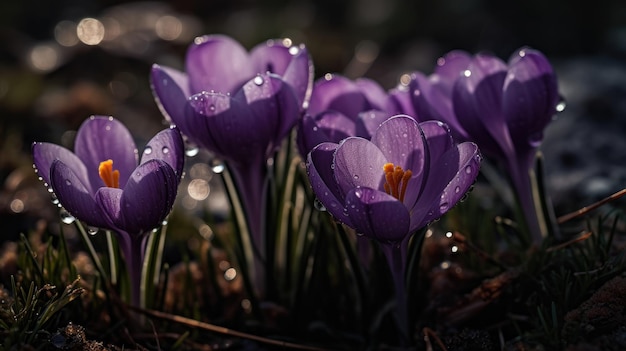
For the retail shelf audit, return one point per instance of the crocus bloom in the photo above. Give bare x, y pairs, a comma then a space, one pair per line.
238, 105
388, 188
432, 95
102, 183
504, 109
340, 108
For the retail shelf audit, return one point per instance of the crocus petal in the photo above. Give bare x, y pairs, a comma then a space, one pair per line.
329, 126
358, 162
530, 97
108, 201
102, 138
275, 111
145, 201
171, 90
335, 125
299, 74
477, 101
369, 121
438, 141
74, 195
320, 172
217, 63
271, 56
377, 214
400, 102
167, 145
210, 119
468, 160
450, 66
44, 154
375, 94
337, 93
401, 142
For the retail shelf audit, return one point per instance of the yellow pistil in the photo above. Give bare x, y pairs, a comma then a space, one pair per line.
396, 180
109, 176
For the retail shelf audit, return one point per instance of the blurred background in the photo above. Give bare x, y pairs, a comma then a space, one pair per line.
62, 61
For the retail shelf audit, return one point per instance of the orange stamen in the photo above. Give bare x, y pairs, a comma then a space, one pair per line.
109, 176
396, 180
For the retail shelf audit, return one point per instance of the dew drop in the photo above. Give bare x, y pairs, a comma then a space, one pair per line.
66, 217
165, 150
356, 177
147, 150
92, 230
315, 129
467, 73
68, 182
358, 192
560, 107
457, 189
212, 107
217, 166
444, 207
258, 80
468, 169
191, 149
319, 206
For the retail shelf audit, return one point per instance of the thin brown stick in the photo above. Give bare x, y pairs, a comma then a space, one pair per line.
581, 237
222, 330
428, 333
591, 207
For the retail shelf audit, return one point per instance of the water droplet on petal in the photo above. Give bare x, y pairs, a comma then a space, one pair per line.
66, 217
444, 207
457, 189
212, 107
319, 206
165, 150
356, 177
467, 73
191, 149
68, 182
560, 107
147, 150
258, 80
92, 230
294, 50
217, 166
358, 192
468, 169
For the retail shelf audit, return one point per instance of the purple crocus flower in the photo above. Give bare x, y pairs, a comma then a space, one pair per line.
340, 108
388, 188
102, 183
432, 95
504, 109
238, 105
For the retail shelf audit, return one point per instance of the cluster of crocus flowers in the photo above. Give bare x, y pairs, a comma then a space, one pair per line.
503, 107
389, 187
340, 108
239, 105
106, 185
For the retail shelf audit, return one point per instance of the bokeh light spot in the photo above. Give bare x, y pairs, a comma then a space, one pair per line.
90, 31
